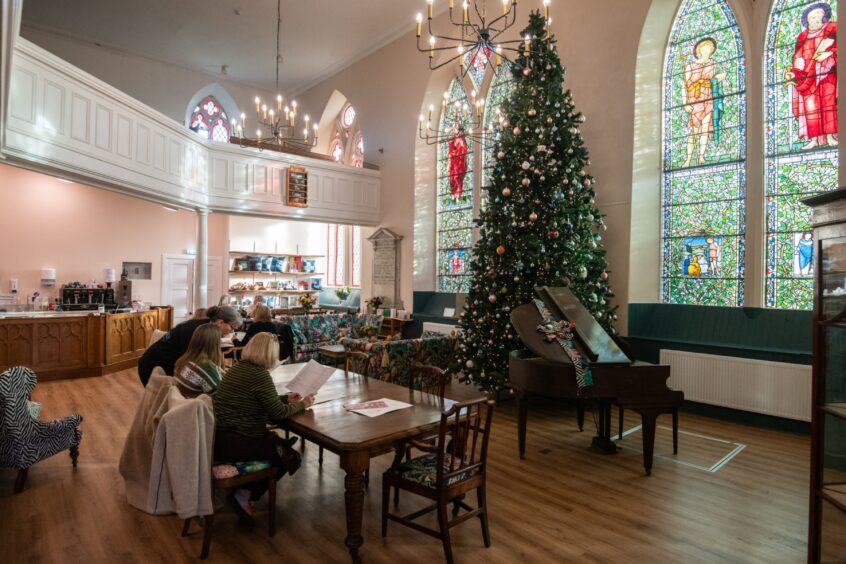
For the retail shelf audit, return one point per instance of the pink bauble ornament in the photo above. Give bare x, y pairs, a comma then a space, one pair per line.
533, 216
527, 71
492, 298
604, 276
506, 191
525, 182
516, 131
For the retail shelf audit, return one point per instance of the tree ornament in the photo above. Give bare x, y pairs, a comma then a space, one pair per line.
604, 275
500, 250
492, 298
549, 119
532, 112
525, 165
527, 71
582, 272
525, 182
506, 191
516, 131
469, 364
553, 234
533, 216
500, 155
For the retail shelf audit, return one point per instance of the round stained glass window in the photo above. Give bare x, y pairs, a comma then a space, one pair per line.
348, 117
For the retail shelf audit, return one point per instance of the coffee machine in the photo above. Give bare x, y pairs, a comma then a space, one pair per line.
78, 298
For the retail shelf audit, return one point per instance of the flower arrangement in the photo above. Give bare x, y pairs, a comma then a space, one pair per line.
343, 292
307, 301
374, 303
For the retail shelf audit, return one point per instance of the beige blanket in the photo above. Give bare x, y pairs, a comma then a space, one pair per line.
137, 453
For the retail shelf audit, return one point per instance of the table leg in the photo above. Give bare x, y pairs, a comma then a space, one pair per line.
354, 464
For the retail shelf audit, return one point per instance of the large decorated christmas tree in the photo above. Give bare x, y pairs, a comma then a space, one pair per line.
539, 224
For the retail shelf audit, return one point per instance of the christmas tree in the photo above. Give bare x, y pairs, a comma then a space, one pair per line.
540, 224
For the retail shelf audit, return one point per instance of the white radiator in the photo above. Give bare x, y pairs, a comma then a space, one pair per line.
761, 386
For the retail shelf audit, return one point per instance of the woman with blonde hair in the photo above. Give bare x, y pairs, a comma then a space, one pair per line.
245, 402
198, 370
262, 323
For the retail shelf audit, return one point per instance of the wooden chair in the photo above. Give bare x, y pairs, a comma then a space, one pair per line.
358, 362
207, 521
429, 379
456, 465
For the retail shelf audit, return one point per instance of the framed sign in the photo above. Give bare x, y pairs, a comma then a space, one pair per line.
138, 270
296, 187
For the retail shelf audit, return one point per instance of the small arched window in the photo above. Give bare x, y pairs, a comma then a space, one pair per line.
210, 121
347, 144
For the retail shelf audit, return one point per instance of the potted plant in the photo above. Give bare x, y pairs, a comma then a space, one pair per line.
343, 292
374, 303
307, 302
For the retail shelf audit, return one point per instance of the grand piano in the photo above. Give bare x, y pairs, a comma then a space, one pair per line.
544, 369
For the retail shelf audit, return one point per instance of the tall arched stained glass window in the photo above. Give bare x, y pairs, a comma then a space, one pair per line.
497, 93
704, 151
800, 134
455, 193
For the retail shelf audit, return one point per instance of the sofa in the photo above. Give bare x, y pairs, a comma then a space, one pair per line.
391, 361
313, 331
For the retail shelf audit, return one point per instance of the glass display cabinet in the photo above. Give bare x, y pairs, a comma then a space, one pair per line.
827, 264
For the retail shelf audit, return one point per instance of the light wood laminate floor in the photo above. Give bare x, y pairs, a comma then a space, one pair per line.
563, 503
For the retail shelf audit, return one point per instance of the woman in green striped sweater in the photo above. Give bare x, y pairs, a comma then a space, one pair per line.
245, 402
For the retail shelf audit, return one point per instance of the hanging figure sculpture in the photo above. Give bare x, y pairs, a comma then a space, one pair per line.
702, 98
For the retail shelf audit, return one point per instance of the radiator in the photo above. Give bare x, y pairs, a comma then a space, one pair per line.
773, 388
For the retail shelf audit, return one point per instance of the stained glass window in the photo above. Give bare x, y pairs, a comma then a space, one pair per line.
496, 96
704, 152
476, 63
348, 116
800, 135
355, 257
337, 150
209, 121
335, 254
454, 193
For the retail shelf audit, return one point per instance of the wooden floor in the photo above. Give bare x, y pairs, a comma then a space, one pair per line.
563, 503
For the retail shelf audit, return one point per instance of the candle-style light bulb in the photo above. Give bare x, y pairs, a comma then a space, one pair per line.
272, 113
431, 109
258, 104
258, 133
431, 46
546, 9
430, 7
505, 6
466, 11
264, 111
278, 102
419, 23
526, 45
451, 4
305, 134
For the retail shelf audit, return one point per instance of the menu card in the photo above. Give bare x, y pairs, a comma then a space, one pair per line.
375, 408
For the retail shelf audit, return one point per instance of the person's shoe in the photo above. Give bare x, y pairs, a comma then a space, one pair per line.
244, 517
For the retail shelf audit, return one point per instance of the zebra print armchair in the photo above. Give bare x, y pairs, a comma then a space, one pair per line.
24, 440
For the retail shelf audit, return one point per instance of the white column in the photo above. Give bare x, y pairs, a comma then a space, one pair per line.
201, 260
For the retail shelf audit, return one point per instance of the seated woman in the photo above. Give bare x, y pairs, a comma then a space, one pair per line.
262, 323
173, 345
245, 402
257, 301
198, 370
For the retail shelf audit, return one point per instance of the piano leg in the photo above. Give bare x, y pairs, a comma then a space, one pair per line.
648, 418
522, 417
602, 441
580, 413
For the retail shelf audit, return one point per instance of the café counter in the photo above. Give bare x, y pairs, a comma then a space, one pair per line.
77, 344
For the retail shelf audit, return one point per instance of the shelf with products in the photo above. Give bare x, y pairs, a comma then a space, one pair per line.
275, 254
279, 292
274, 273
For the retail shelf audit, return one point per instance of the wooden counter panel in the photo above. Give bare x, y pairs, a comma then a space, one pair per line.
82, 345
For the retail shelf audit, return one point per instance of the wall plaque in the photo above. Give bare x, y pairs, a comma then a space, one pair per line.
386, 266
296, 187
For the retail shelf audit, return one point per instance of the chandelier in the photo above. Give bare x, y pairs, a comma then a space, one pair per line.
475, 35
474, 42
277, 127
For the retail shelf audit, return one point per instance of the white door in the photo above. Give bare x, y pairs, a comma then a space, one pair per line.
178, 285
215, 276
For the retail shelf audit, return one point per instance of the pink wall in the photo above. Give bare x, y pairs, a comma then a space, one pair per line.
80, 230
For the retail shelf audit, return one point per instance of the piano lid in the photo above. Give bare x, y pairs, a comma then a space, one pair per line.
591, 339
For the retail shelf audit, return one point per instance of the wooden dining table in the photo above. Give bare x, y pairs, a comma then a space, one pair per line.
357, 438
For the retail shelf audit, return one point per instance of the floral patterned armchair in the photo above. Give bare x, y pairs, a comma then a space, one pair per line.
24, 440
391, 361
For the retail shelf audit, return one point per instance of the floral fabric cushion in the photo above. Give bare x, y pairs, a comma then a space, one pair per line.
437, 351
232, 469
423, 470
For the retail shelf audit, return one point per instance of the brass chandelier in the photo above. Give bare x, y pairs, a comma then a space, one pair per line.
277, 127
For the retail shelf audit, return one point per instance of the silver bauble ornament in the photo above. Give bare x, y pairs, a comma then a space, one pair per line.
525, 165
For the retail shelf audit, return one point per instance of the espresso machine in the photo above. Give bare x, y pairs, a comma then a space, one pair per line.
78, 298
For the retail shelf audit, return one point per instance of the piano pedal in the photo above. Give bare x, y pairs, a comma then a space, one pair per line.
604, 446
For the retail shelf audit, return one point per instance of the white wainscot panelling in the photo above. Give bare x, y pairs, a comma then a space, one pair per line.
53, 118
80, 118
103, 137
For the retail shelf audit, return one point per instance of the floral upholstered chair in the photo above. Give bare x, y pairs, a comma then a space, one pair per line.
24, 440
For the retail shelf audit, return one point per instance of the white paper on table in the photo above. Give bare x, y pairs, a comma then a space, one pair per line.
374, 408
310, 379
239, 335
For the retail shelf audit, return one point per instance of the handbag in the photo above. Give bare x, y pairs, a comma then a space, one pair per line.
291, 459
